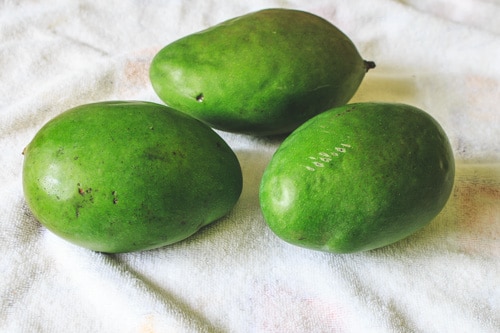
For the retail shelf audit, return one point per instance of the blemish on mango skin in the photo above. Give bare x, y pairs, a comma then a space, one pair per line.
87, 195
178, 153
115, 197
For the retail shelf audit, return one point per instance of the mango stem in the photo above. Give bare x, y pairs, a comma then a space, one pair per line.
369, 65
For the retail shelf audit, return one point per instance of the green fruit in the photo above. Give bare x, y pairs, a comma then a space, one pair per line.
358, 177
126, 176
262, 73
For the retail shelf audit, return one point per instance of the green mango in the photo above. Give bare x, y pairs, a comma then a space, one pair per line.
127, 175
263, 73
358, 177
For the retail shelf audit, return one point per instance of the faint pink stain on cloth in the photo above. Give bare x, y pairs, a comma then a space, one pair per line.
148, 326
478, 90
134, 74
136, 71
478, 218
311, 312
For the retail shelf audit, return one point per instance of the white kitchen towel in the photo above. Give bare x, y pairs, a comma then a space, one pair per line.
236, 275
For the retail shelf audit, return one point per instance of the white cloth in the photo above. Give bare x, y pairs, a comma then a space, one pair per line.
236, 275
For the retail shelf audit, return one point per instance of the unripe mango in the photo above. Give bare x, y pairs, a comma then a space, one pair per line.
262, 73
127, 176
358, 177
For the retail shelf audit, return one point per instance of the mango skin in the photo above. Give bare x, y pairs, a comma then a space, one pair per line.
358, 177
263, 73
126, 176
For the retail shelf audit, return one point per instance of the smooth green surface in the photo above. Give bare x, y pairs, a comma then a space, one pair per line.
126, 176
262, 73
358, 177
